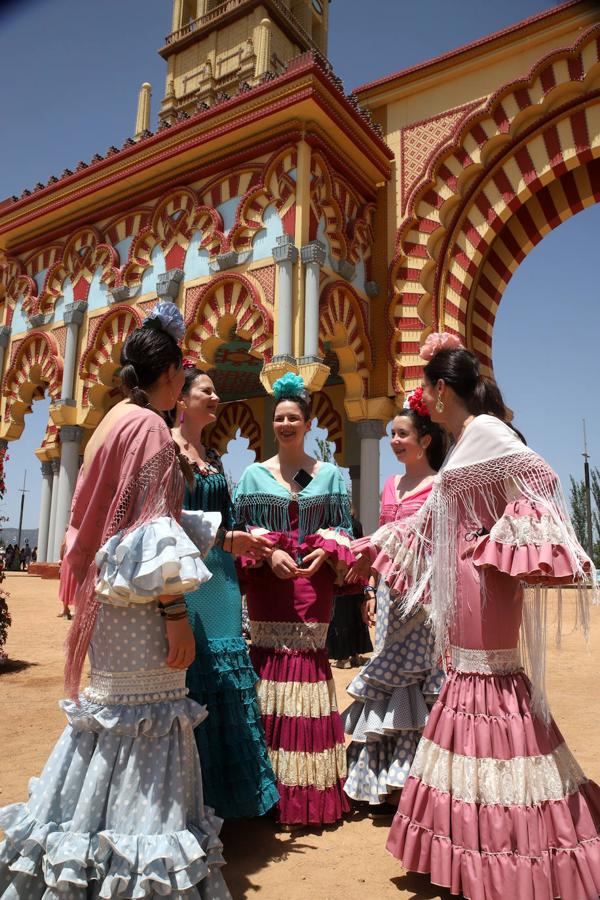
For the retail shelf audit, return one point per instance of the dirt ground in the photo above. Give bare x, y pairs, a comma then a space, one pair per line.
348, 861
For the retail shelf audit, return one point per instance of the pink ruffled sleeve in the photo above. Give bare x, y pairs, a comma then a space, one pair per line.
278, 539
532, 545
336, 543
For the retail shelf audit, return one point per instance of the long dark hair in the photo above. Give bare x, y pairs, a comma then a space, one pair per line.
438, 445
146, 354
459, 368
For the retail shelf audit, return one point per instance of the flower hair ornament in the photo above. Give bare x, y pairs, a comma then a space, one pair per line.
439, 341
417, 404
166, 317
188, 364
289, 387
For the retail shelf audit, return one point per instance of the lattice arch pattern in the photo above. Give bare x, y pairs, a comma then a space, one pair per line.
228, 304
231, 418
529, 134
107, 337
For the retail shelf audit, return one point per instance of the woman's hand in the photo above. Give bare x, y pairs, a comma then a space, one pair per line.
312, 562
359, 571
283, 565
368, 609
244, 543
181, 643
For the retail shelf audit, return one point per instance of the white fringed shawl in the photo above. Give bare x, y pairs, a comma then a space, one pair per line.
487, 469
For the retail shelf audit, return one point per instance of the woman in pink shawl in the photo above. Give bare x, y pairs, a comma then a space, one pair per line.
495, 805
118, 809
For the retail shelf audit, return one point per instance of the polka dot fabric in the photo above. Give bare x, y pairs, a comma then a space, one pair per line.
390, 709
118, 809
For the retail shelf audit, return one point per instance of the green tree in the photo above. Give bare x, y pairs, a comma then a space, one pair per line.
578, 510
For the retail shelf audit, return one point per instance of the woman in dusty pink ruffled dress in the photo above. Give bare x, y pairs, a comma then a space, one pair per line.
495, 805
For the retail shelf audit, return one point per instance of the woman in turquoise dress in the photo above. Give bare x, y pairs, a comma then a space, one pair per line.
237, 775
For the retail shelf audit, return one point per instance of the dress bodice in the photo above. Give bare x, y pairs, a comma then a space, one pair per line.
210, 491
393, 509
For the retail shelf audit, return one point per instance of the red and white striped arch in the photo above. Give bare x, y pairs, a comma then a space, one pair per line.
330, 419
342, 324
100, 359
227, 304
520, 165
37, 363
231, 418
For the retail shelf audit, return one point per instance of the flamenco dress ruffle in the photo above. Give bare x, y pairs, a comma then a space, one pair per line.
238, 776
496, 805
118, 810
296, 691
392, 694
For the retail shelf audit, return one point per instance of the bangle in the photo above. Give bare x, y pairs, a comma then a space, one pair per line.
176, 617
172, 608
369, 589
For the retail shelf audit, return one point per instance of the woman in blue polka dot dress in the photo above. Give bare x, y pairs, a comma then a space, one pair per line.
392, 691
118, 809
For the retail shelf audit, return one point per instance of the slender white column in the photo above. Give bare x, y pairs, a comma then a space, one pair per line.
73, 317
262, 47
45, 503
70, 438
313, 257
285, 255
55, 463
370, 432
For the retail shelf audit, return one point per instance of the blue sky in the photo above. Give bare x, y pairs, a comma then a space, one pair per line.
71, 73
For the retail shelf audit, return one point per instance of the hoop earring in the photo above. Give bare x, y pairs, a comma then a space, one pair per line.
439, 404
420, 455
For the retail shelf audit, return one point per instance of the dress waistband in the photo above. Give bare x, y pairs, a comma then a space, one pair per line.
485, 662
289, 635
140, 686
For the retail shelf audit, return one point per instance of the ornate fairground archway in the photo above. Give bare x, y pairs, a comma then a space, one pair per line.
100, 361
36, 366
517, 168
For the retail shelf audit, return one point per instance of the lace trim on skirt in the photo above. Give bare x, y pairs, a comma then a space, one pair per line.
485, 662
140, 686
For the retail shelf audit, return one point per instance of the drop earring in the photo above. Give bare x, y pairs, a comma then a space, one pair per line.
182, 418
439, 404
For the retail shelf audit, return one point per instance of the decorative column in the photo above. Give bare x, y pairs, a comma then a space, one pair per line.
262, 48
370, 432
74, 313
45, 503
313, 257
55, 463
5, 331
177, 11
142, 120
70, 438
285, 255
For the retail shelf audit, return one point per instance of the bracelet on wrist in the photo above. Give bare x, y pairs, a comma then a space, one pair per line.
369, 589
176, 616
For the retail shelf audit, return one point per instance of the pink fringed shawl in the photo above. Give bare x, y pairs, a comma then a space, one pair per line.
133, 478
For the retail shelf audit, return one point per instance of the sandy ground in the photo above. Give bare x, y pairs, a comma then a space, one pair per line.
348, 861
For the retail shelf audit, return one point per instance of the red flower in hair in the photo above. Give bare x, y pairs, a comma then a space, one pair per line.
188, 364
417, 404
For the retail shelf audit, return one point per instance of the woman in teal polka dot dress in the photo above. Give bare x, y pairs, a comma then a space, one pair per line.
236, 772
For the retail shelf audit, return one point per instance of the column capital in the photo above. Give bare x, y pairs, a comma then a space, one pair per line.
74, 312
370, 428
71, 434
314, 252
55, 463
285, 250
167, 284
47, 469
5, 332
